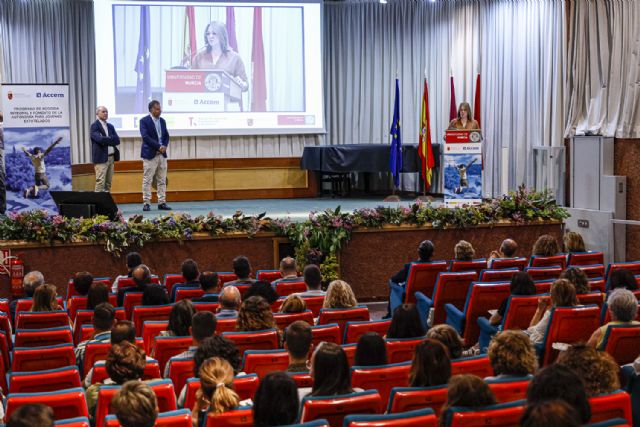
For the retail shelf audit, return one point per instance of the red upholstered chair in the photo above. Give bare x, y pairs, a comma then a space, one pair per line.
353, 330
314, 304
327, 333
71, 289
242, 416
622, 342
5, 326
25, 304
142, 314
254, 340
404, 399
74, 422
382, 378
503, 275
5, 362
592, 271
131, 299
244, 385
180, 370
549, 261
74, 304
475, 365
224, 277
262, 362
42, 358
85, 317
287, 288
598, 284
206, 306
172, 279
41, 381
69, 403
315, 423
633, 266
335, 408
177, 418
593, 297
422, 278
509, 389
151, 371
268, 275
476, 265
302, 379
401, 349
451, 288
520, 311
4, 305
543, 286
188, 293
423, 417
544, 273
350, 351
343, 315
611, 405
585, 258
285, 319
128, 282
502, 414
500, 263
43, 337
225, 325
94, 352
42, 319
150, 330
165, 347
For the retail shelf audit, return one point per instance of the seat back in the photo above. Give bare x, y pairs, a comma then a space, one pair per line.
85, 317
353, 330
43, 337
422, 278
268, 275
401, 349
611, 405
42, 319
593, 297
151, 371
327, 333
403, 399
170, 280
127, 282
206, 306
188, 293
519, 312
245, 385
302, 379
151, 312
592, 271
41, 381
350, 351
585, 258
500, 263
598, 284
335, 408
287, 288
474, 365
543, 286
544, 273
548, 261
476, 265
510, 389
254, 340
180, 370
177, 418
569, 325
622, 342
225, 325
73, 422
150, 330
225, 276
165, 347
314, 304
343, 315
93, 352
131, 299
481, 298
242, 416
502, 414
25, 304
42, 358
451, 288
262, 362
382, 378
633, 266
503, 275
69, 403
285, 319
74, 304
423, 417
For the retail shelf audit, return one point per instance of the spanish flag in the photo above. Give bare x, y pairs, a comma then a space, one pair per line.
425, 150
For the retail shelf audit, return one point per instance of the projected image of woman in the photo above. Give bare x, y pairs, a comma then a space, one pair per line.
217, 54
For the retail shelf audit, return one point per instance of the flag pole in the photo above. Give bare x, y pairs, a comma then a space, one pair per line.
424, 197
393, 197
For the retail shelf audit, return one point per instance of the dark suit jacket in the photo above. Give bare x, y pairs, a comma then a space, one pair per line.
100, 143
207, 298
150, 141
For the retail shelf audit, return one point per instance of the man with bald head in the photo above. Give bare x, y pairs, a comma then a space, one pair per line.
104, 149
229, 303
141, 276
507, 249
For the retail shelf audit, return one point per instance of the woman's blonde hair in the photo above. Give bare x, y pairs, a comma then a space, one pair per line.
598, 369
463, 251
339, 295
546, 245
216, 383
563, 294
293, 304
573, 242
44, 298
511, 352
466, 106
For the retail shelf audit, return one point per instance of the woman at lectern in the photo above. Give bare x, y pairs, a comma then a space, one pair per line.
217, 55
465, 119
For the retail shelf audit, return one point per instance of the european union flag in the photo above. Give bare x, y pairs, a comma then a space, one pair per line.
143, 84
395, 159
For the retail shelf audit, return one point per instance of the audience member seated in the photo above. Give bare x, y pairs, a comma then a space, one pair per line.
135, 405
133, 260
622, 278
255, 315
141, 276
598, 370
44, 299
573, 242
469, 391
209, 285
329, 371
339, 295
179, 319
125, 362
190, 273
508, 249
371, 350
563, 294
556, 382
31, 281
313, 280
623, 308
104, 318
463, 251
155, 295
578, 279
229, 303
448, 336
431, 365
216, 394
289, 271
293, 304
406, 323
98, 293
297, 342
521, 285
556, 413
31, 415
82, 282
203, 326
546, 245
242, 269
276, 401
262, 289
425, 254
512, 355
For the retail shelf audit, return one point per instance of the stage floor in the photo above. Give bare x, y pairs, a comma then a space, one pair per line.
295, 209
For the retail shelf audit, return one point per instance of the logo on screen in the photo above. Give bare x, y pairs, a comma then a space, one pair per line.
38, 95
10, 95
213, 82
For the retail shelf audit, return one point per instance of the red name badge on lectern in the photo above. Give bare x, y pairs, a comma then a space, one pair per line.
462, 136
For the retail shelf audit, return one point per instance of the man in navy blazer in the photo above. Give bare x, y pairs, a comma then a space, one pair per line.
155, 140
104, 149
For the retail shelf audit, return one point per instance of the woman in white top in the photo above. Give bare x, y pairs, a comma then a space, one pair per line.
563, 294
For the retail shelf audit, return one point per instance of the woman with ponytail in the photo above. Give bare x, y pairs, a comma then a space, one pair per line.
216, 394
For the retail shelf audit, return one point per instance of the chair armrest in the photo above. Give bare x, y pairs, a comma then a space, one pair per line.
423, 304
455, 317
487, 331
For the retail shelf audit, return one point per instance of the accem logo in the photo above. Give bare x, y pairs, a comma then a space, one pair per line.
49, 95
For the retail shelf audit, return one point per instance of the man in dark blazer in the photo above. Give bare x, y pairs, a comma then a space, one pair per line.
155, 140
104, 149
